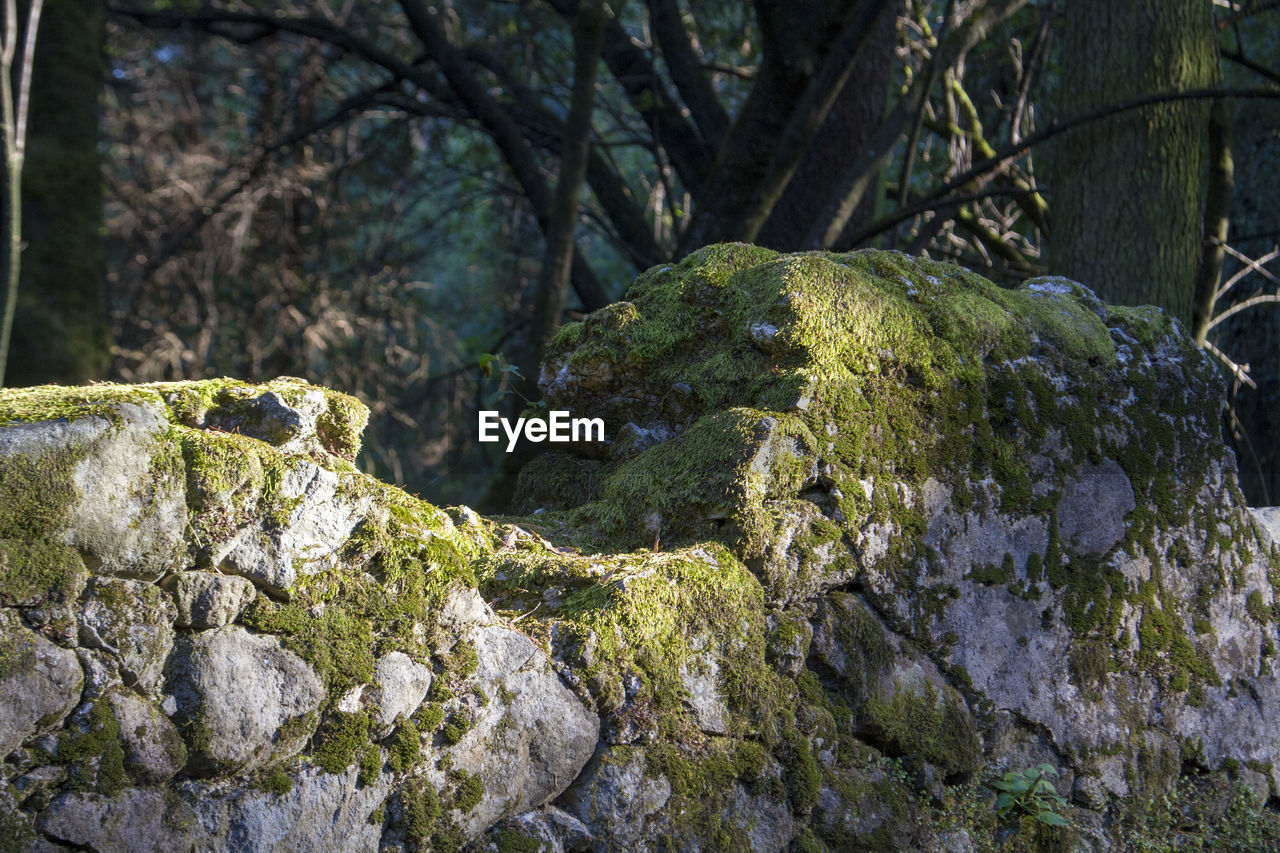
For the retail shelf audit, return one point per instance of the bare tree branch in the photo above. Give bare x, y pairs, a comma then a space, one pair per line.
686, 71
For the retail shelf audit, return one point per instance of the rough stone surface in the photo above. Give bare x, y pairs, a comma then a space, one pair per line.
400, 685
534, 735
235, 693
208, 599
126, 508
308, 540
616, 796
153, 749
320, 811
136, 820
1095, 501
133, 623
865, 534
39, 683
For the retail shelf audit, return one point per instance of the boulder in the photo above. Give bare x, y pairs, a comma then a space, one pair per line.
243, 700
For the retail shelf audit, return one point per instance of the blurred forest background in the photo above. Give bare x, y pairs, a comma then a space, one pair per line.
402, 199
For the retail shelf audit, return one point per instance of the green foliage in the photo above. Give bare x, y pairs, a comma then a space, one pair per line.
1029, 792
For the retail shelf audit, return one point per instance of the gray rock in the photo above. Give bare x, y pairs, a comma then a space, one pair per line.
767, 822
318, 524
463, 608
1268, 518
208, 599
400, 685
1095, 501
39, 683
614, 797
136, 820
320, 811
153, 749
889, 679
700, 675
790, 636
955, 841
243, 700
528, 743
124, 504
133, 623
101, 672
289, 426
1089, 792
557, 830
870, 810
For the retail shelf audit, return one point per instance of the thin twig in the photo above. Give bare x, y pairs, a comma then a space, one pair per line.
1239, 371
1248, 303
1243, 271
24, 81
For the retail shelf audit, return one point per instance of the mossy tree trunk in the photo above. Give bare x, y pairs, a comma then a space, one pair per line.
1127, 191
61, 331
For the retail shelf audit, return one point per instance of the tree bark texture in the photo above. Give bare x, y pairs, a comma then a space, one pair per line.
1127, 191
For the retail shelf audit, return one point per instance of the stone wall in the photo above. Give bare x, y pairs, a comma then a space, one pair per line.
867, 534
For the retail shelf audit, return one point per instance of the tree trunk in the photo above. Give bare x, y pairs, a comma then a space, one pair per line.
854, 117
1127, 191
61, 331
553, 282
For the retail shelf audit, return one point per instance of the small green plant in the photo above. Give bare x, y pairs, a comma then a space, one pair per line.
1030, 792
507, 375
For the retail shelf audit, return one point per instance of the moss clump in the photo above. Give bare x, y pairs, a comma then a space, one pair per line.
370, 765
511, 841
94, 752
404, 747
429, 717
457, 727
1256, 608
393, 573
468, 793
919, 721
275, 781
39, 572
38, 493
338, 739
419, 809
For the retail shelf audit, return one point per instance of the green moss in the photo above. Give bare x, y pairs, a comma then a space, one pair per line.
404, 747
275, 781
370, 765
420, 809
469, 792
429, 717
457, 727
920, 721
95, 752
1004, 573
340, 737
1090, 662
803, 777
33, 573
511, 841
1256, 608
642, 614
38, 493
